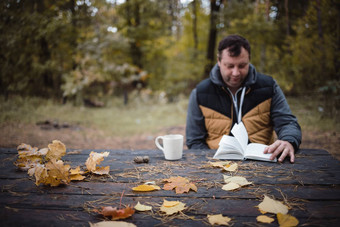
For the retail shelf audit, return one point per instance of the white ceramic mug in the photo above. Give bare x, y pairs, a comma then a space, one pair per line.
172, 146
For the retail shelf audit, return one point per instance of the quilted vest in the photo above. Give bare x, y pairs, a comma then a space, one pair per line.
217, 107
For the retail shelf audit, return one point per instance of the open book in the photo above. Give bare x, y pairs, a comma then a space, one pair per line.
237, 148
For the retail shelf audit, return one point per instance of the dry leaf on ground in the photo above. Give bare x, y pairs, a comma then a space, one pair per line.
115, 213
112, 223
236, 179
180, 184
286, 220
172, 207
225, 165
230, 186
218, 219
146, 188
56, 150
264, 219
95, 159
141, 207
76, 174
272, 206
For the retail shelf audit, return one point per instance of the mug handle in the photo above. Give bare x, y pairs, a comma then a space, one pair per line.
157, 143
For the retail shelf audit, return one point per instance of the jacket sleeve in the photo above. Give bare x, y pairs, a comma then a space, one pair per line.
195, 126
285, 123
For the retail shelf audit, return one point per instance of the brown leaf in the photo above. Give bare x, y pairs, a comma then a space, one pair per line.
94, 159
180, 184
56, 150
117, 214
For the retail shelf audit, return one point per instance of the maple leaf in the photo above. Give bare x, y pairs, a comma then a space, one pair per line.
264, 219
56, 150
94, 159
146, 188
115, 213
180, 184
218, 219
272, 206
172, 207
286, 220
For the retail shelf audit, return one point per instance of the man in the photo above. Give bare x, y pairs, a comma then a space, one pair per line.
235, 92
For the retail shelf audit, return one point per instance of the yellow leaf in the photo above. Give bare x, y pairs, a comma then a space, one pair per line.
173, 209
231, 167
286, 220
146, 188
102, 170
236, 179
141, 207
167, 203
220, 164
218, 219
231, 186
112, 223
77, 177
56, 150
272, 206
264, 219
76, 171
94, 159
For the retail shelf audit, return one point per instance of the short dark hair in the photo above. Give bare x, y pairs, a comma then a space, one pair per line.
234, 44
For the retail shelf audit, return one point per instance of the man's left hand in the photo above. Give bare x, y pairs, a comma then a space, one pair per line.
280, 147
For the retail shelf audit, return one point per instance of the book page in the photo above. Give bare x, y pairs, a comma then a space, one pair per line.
255, 151
240, 133
229, 148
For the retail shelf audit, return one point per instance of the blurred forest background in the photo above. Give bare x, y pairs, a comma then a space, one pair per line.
80, 53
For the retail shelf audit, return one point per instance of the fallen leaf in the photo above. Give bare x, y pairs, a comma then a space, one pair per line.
231, 186
236, 179
94, 159
117, 214
264, 219
230, 167
218, 219
102, 170
180, 184
146, 188
220, 164
112, 224
141, 207
56, 150
175, 207
76, 174
272, 206
58, 173
286, 220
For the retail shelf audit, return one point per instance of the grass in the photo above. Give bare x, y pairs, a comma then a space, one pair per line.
140, 116
115, 119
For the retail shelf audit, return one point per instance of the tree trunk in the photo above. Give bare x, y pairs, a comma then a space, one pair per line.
194, 25
214, 9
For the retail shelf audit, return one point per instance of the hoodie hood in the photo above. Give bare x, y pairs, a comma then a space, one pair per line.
216, 78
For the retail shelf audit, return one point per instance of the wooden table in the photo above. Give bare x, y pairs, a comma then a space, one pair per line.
311, 187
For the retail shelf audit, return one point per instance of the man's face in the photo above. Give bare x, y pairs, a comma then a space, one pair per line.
234, 69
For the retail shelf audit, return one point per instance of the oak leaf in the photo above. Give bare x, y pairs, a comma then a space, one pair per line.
95, 159
264, 219
56, 150
141, 207
172, 207
146, 188
180, 184
286, 220
115, 213
58, 173
272, 206
218, 219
